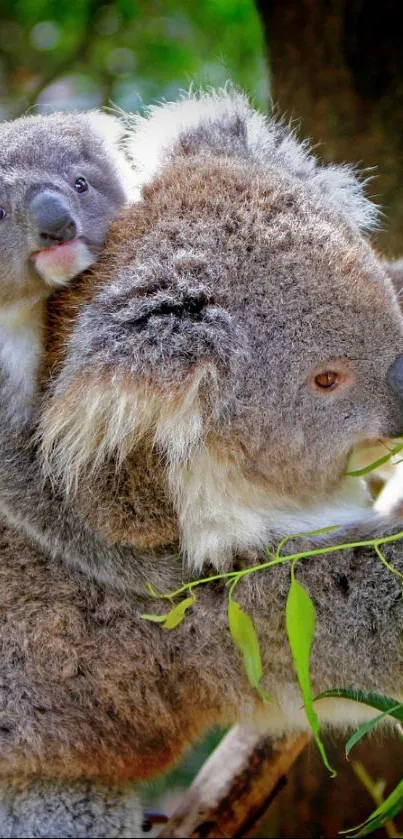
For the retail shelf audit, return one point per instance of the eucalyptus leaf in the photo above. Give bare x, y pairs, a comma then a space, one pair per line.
368, 726
176, 615
385, 704
307, 534
154, 618
300, 623
263, 694
244, 636
358, 473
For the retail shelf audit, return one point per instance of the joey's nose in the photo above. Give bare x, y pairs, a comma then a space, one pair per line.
394, 376
52, 218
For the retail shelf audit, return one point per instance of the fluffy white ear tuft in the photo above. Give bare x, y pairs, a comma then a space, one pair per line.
224, 123
195, 120
108, 127
111, 130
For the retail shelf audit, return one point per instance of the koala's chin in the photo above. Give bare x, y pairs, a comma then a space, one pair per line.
60, 264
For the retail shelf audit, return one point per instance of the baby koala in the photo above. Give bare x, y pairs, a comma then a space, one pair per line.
63, 177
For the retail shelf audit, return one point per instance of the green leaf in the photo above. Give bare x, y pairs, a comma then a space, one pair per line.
173, 618
368, 726
389, 808
244, 635
358, 473
385, 704
154, 618
300, 623
176, 615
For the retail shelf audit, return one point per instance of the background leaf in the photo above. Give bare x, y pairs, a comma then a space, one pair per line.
376, 700
368, 726
390, 808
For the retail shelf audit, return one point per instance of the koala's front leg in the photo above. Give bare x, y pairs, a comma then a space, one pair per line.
80, 809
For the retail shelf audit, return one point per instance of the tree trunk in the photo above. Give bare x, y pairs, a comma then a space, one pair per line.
312, 804
337, 66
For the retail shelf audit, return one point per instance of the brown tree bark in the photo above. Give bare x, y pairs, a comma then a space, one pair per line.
337, 66
235, 787
312, 804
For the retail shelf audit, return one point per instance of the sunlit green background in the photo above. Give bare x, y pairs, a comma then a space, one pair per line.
79, 54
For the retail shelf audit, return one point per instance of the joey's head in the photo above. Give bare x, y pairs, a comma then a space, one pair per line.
63, 177
240, 324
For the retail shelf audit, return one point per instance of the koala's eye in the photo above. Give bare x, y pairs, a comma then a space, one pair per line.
338, 375
329, 379
81, 185
3, 213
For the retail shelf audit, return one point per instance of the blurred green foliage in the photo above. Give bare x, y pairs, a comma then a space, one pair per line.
181, 776
63, 54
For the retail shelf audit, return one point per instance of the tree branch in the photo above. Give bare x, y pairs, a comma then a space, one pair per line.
236, 785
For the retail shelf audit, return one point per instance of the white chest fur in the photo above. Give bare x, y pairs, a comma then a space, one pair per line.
220, 511
21, 342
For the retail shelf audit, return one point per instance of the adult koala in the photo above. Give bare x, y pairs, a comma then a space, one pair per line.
204, 386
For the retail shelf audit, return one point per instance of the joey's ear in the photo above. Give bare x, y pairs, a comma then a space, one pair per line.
110, 129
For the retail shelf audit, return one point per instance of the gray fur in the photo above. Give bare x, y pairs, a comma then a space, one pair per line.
395, 271
70, 811
34, 506
218, 297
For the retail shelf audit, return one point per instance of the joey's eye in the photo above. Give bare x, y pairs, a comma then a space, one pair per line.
80, 185
3, 213
327, 380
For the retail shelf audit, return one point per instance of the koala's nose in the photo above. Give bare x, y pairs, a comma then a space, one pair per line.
52, 218
394, 376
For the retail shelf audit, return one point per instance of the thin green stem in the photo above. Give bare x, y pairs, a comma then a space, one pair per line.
321, 532
388, 565
279, 560
358, 473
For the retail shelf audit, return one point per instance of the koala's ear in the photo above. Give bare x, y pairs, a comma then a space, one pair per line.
224, 124
110, 129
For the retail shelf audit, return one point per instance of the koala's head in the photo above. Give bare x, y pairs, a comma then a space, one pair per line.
63, 177
240, 323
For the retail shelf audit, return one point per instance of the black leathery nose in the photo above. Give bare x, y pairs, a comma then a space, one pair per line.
52, 217
394, 376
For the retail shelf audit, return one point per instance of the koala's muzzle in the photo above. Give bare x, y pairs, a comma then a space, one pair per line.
52, 218
394, 376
